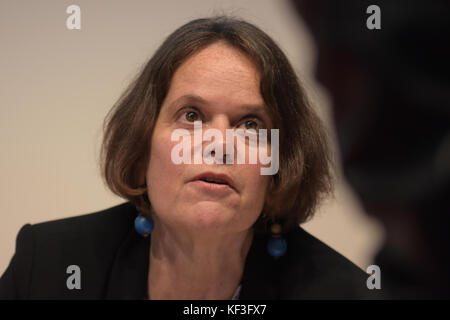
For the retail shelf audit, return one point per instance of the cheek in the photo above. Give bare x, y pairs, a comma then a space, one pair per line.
252, 201
162, 173
256, 185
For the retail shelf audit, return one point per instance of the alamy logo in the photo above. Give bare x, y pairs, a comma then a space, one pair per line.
258, 147
374, 281
374, 20
74, 280
74, 20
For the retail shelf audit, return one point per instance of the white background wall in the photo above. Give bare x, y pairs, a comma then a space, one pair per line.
56, 86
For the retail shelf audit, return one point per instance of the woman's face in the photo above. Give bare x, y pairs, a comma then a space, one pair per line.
220, 87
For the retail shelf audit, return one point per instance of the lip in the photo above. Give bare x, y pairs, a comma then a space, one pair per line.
214, 175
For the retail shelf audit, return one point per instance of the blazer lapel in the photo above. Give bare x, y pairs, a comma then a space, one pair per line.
259, 280
129, 273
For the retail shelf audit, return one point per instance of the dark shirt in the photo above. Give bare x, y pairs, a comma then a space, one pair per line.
114, 261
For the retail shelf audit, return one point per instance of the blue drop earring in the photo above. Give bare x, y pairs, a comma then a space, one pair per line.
144, 225
277, 245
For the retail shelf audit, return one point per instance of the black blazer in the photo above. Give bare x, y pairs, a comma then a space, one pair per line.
114, 262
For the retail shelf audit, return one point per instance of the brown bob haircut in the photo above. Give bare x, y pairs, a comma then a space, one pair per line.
304, 175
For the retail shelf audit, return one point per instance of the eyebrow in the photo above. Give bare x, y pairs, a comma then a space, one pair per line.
188, 98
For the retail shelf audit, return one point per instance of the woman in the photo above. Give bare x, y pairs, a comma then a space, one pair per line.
220, 230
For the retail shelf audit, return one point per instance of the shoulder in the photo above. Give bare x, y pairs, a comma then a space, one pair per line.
93, 233
309, 270
93, 225
313, 270
45, 250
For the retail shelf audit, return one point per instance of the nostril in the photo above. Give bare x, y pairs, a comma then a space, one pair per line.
226, 158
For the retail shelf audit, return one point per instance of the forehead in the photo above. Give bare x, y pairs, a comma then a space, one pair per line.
219, 70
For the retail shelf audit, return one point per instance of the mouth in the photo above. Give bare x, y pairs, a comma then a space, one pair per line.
215, 179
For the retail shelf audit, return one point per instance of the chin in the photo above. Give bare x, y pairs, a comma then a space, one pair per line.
209, 215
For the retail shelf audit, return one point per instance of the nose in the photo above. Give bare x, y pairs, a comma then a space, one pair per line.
219, 126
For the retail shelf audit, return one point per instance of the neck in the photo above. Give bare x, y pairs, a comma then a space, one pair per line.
206, 266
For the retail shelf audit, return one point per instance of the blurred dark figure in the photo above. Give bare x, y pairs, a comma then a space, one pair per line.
391, 96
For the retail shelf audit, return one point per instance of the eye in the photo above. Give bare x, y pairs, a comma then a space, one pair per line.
191, 116
252, 123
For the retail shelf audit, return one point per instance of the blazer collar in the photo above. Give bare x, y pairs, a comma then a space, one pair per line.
129, 273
